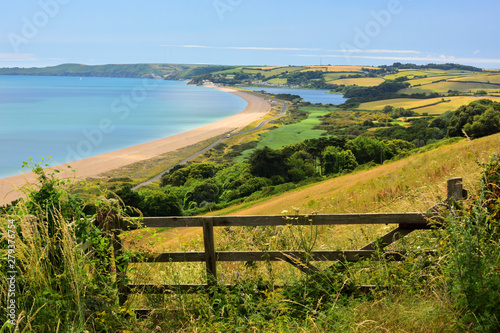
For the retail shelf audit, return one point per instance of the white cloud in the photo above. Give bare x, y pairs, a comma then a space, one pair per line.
377, 51
17, 56
261, 48
265, 48
439, 58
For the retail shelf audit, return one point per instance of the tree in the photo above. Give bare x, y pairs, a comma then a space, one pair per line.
368, 149
337, 160
399, 146
300, 166
266, 162
159, 203
176, 177
129, 197
486, 124
466, 113
253, 185
207, 191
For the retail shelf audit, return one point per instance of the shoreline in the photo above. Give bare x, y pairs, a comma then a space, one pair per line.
256, 108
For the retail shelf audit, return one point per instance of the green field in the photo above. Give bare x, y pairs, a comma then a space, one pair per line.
411, 73
278, 81
288, 134
267, 72
420, 105
431, 79
445, 86
362, 81
485, 78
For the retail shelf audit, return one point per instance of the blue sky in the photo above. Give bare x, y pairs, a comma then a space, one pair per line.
249, 32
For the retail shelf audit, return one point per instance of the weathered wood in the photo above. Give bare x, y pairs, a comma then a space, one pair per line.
351, 256
275, 220
210, 258
165, 288
195, 288
302, 263
173, 257
455, 189
389, 238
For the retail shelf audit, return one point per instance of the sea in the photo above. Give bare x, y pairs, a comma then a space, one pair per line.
71, 118
309, 95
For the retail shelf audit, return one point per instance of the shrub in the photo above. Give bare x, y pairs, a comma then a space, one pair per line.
63, 262
472, 255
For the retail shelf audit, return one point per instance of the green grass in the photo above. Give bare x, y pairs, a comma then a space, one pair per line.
288, 134
279, 81
362, 82
424, 105
444, 86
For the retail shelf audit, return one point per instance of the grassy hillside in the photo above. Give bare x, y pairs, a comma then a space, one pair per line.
412, 184
420, 303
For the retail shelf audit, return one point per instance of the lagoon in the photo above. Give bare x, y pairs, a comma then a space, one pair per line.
310, 95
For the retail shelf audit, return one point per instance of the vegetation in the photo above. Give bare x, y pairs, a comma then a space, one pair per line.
57, 264
384, 156
455, 290
479, 118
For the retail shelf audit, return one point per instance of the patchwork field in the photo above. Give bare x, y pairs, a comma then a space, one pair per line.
410, 72
339, 68
432, 79
362, 82
488, 78
445, 86
431, 106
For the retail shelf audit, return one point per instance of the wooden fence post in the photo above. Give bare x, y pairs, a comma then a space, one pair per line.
455, 190
210, 259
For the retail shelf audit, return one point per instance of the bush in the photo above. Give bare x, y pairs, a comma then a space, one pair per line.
472, 255
63, 264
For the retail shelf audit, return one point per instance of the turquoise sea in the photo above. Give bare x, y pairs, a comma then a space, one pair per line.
71, 118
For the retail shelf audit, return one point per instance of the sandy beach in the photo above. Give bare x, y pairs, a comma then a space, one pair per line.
93, 166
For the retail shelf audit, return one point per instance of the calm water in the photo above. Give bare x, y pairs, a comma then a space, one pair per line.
309, 95
70, 118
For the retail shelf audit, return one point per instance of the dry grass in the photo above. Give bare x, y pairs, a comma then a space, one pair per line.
432, 79
444, 86
264, 68
412, 72
362, 82
144, 170
452, 103
486, 78
412, 184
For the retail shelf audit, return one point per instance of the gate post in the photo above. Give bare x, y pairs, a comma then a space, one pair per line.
210, 258
455, 190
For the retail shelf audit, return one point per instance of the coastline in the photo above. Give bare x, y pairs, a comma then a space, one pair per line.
256, 108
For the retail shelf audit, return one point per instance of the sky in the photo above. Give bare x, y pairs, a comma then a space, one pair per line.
249, 32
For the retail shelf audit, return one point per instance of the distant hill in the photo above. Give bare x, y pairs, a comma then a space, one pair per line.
170, 71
